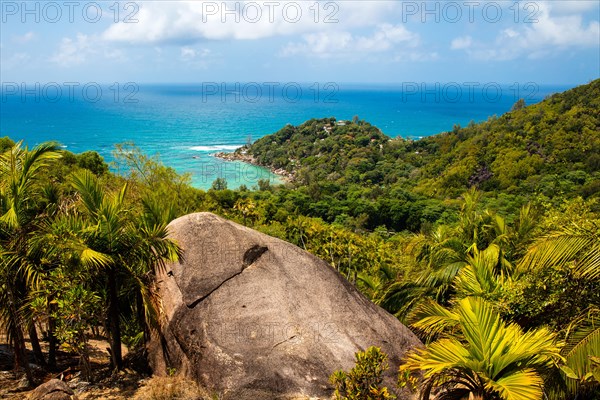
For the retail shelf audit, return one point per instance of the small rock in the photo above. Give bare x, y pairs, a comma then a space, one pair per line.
79, 386
54, 389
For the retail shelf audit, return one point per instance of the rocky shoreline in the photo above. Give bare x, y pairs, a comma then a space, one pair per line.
249, 159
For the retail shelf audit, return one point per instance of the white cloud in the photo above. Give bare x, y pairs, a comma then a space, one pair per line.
185, 22
561, 31
114, 54
87, 49
195, 58
27, 37
337, 44
189, 53
72, 52
416, 56
509, 33
15, 61
461, 43
550, 35
322, 44
571, 6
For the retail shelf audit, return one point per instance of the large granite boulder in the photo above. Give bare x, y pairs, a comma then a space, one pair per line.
258, 318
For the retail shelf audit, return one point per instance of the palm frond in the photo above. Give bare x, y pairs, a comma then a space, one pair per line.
521, 385
490, 357
88, 187
578, 246
401, 297
583, 343
432, 319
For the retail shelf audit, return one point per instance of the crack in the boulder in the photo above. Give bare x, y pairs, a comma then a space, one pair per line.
250, 257
253, 254
283, 341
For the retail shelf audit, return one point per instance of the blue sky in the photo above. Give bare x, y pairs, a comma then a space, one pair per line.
546, 42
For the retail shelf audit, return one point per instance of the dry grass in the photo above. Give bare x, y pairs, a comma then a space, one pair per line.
172, 388
178, 388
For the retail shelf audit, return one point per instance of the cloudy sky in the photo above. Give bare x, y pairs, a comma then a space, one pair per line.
547, 42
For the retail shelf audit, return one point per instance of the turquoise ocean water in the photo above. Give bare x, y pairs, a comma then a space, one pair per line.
186, 124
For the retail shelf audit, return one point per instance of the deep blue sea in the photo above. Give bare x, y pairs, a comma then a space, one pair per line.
186, 124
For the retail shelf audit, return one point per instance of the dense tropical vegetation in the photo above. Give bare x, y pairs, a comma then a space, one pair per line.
349, 171
485, 240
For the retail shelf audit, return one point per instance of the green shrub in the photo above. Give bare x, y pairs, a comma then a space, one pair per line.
92, 161
364, 380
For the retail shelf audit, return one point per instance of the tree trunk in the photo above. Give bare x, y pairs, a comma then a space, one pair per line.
476, 396
21, 356
141, 312
18, 339
113, 319
86, 366
51, 342
35, 345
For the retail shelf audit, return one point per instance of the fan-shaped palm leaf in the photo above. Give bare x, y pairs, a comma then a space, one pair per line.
491, 358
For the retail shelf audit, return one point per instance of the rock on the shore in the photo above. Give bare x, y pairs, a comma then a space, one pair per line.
258, 318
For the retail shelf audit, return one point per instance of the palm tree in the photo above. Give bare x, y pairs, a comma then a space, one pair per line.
10, 315
440, 254
20, 169
485, 273
448, 253
133, 249
150, 255
578, 247
60, 246
486, 359
374, 285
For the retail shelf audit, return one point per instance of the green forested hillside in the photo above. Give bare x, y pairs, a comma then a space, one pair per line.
550, 150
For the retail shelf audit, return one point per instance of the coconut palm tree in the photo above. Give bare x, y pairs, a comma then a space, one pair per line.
485, 358
20, 190
134, 245
440, 253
